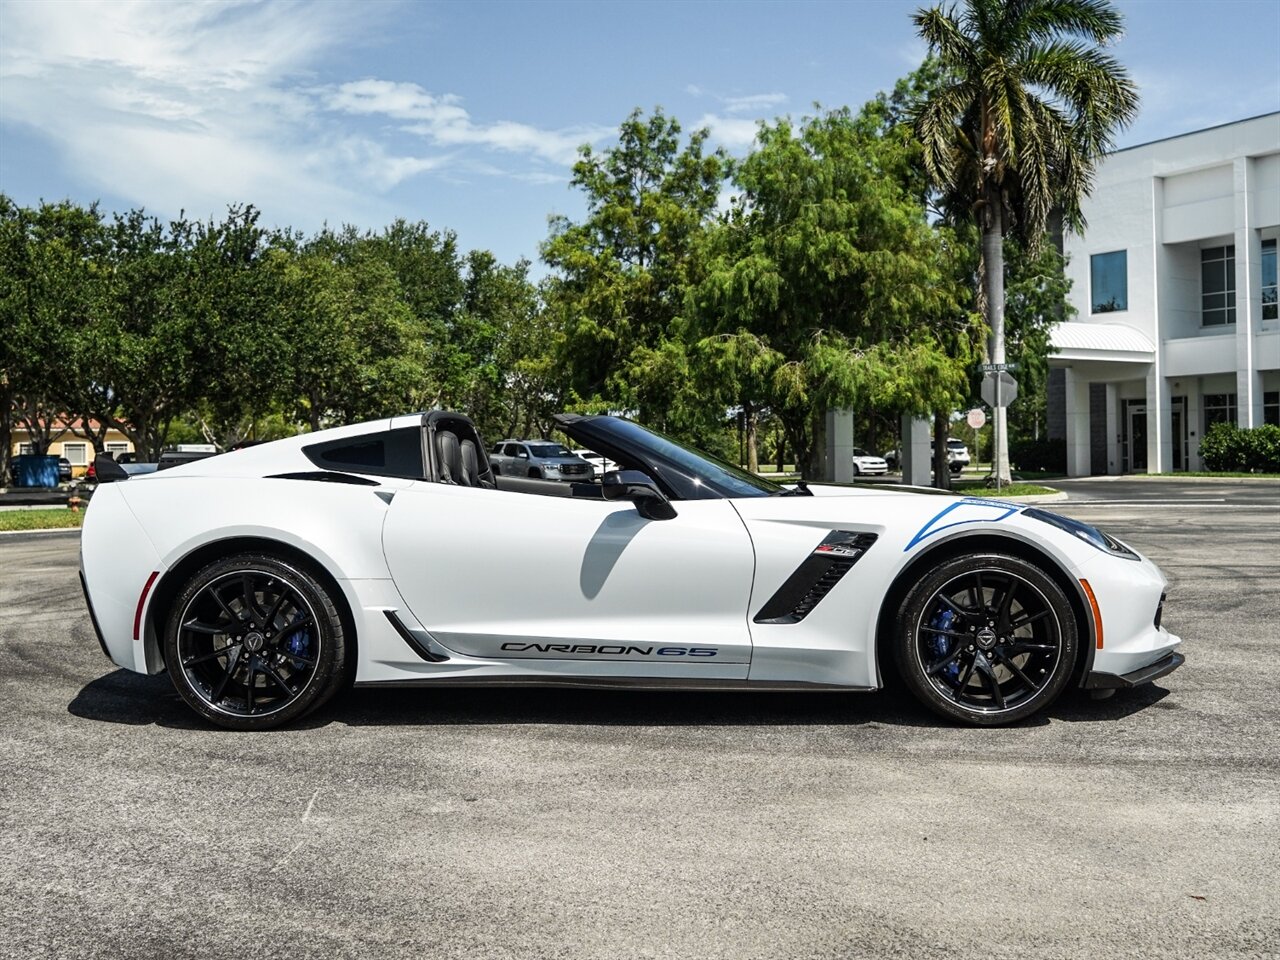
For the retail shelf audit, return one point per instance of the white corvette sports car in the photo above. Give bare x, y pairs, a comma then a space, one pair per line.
265, 579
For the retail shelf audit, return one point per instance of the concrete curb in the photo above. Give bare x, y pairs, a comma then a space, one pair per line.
1036, 497
36, 534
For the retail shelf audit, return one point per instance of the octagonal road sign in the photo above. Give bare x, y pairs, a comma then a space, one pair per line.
976, 418
1005, 395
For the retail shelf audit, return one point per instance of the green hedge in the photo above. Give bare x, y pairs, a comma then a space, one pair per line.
1226, 447
1044, 456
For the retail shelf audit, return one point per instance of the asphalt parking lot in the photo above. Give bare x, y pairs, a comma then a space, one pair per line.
529, 824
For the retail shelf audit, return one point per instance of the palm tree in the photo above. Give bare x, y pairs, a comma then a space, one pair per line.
1028, 105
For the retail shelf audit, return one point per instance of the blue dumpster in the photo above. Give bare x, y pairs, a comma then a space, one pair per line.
30, 470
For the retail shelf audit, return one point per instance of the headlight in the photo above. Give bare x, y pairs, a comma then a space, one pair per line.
551, 466
1103, 541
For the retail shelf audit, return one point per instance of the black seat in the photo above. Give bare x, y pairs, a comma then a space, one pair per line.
449, 453
470, 465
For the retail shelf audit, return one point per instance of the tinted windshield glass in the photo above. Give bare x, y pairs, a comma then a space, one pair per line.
548, 450
691, 474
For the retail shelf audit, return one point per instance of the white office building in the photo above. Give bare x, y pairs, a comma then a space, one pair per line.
1174, 284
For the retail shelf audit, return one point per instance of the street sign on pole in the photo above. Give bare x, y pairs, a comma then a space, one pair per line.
996, 367
999, 389
976, 418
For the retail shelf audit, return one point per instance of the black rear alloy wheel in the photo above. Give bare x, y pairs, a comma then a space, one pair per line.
253, 642
986, 639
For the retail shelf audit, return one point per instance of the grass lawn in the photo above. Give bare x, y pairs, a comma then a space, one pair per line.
979, 488
56, 517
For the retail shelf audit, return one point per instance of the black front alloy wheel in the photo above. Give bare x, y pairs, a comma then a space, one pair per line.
986, 639
253, 642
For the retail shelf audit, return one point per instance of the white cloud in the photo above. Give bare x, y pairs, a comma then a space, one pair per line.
191, 104
442, 121
756, 103
732, 133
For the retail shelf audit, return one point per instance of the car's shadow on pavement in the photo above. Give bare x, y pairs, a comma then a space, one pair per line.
132, 699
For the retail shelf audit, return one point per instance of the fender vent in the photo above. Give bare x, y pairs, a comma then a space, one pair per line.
815, 577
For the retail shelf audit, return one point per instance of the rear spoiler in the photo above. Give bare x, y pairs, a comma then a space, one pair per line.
106, 470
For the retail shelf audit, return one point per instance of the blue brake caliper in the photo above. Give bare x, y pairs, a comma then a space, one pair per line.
299, 644
941, 645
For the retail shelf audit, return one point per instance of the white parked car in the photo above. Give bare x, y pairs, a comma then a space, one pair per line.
868, 464
957, 455
388, 553
600, 464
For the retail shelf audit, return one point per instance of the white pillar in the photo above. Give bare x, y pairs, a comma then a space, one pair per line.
1077, 425
1248, 243
915, 456
1159, 435
1113, 428
1191, 390
840, 445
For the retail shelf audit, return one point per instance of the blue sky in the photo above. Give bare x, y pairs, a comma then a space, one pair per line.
467, 115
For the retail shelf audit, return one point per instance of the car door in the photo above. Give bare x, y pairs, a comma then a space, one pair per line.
497, 457
519, 455
574, 585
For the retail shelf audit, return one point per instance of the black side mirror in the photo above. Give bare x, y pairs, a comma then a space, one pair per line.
639, 489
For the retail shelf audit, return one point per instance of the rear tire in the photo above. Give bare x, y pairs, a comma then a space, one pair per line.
255, 642
986, 640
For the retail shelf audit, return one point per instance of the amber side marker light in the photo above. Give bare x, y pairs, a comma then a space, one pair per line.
142, 602
1097, 614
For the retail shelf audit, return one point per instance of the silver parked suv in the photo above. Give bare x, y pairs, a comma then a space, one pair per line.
541, 459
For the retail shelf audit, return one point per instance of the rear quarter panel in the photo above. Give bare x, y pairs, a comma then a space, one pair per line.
339, 526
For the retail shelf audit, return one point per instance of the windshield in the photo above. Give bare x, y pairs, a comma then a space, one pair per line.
548, 450
689, 473
955, 444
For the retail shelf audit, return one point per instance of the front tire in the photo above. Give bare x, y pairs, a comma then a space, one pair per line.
254, 642
986, 640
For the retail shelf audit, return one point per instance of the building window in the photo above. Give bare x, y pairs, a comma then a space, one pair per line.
77, 453
1219, 408
1109, 280
1271, 407
1218, 286
1269, 304
25, 449
115, 447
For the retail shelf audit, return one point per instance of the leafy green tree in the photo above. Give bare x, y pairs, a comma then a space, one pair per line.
150, 337
1036, 289
621, 274
499, 327
246, 351
1028, 106
827, 275
48, 287
358, 352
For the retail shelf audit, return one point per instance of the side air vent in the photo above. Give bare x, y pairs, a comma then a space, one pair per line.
418, 640
815, 577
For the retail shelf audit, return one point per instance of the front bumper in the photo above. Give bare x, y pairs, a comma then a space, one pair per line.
1154, 671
